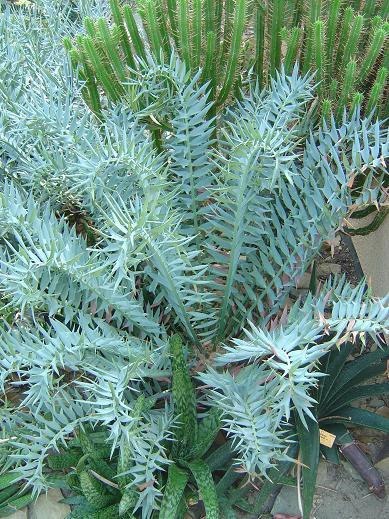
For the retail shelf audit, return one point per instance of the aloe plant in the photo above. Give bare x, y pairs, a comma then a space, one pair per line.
13, 494
99, 475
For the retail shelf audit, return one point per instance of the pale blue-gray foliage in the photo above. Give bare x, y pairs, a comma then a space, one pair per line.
281, 367
188, 237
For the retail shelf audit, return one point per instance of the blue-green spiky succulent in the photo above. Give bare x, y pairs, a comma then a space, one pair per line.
203, 232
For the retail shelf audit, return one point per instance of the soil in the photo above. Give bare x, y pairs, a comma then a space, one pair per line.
342, 253
340, 494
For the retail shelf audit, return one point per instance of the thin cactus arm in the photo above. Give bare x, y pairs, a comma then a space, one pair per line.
377, 90
277, 13
207, 75
235, 50
357, 101
370, 7
332, 24
210, 16
343, 37
348, 85
125, 43
172, 15
163, 27
326, 110
110, 49
351, 46
196, 34
318, 55
133, 31
227, 31
373, 52
260, 43
292, 49
103, 71
183, 32
384, 13
89, 90
149, 14
313, 15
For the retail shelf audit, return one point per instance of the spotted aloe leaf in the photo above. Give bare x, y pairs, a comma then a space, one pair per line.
184, 399
206, 486
207, 431
175, 486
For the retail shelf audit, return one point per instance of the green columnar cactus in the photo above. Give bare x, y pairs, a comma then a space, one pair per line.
211, 34
340, 36
203, 33
314, 10
326, 36
292, 49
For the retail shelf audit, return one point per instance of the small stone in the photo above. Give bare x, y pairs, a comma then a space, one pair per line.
20, 514
367, 435
376, 403
286, 502
350, 469
379, 450
383, 411
326, 269
383, 466
48, 506
325, 475
304, 281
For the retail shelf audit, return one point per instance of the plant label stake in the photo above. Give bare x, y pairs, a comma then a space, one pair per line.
326, 438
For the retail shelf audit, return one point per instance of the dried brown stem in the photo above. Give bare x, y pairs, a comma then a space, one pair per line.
364, 467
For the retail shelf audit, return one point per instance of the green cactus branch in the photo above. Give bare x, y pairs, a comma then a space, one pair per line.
213, 34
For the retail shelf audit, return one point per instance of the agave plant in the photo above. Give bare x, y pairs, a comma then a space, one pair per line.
343, 384
203, 232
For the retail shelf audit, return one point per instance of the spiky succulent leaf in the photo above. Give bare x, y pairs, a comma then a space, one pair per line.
64, 460
94, 491
353, 415
16, 504
309, 456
